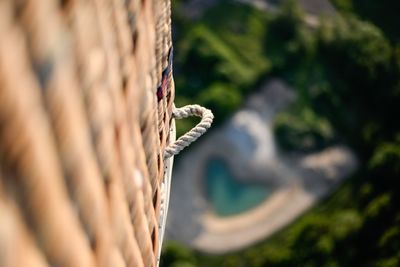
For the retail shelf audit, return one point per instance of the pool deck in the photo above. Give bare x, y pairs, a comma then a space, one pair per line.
247, 145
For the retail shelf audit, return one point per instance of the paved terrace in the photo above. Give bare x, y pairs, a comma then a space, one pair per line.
247, 145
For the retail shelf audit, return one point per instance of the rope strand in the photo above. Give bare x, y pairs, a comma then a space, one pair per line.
191, 136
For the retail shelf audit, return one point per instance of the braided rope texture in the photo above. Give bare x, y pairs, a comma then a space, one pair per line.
185, 140
82, 132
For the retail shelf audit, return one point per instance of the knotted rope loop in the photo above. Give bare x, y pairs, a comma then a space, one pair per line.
191, 136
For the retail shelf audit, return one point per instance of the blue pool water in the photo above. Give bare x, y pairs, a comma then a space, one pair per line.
227, 195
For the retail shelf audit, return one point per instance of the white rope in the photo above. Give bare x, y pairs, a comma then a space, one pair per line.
191, 136
165, 193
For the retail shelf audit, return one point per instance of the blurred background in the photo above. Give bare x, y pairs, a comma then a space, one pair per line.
302, 165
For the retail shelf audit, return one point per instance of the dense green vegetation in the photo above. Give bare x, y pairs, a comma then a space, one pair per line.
219, 58
346, 73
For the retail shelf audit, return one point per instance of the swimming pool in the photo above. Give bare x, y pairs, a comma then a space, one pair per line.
227, 195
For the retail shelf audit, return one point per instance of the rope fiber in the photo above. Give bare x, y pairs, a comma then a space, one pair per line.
191, 136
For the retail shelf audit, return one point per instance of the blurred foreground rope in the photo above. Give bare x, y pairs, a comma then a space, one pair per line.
191, 136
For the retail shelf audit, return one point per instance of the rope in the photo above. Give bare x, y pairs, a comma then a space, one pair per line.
191, 136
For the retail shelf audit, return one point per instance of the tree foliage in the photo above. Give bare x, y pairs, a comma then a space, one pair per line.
346, 76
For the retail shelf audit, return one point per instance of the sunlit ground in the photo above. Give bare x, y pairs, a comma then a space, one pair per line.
340, 60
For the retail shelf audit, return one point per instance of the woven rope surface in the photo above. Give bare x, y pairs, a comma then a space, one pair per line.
83, 130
